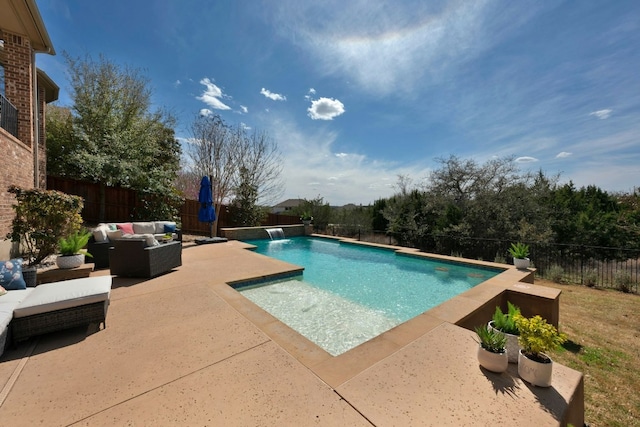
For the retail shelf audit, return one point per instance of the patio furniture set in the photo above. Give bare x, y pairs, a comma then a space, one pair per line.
136, 249
139, 249
52, 307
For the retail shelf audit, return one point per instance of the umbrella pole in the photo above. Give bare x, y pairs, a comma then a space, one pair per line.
212, 205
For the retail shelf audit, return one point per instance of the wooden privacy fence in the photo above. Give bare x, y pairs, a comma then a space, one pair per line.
121, 204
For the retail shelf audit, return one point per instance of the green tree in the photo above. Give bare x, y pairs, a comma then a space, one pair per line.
116, 138
319, 210
246, 211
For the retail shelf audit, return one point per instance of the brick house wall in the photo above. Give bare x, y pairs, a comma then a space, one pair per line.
23, 157
18, 152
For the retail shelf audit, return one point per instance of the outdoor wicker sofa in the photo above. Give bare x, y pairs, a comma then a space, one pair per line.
53, 307
104, 234
135, 258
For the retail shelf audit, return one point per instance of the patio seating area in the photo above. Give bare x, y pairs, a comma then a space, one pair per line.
186, 349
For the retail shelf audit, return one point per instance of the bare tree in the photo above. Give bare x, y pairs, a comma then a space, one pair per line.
261, 159
223, 152
213, 153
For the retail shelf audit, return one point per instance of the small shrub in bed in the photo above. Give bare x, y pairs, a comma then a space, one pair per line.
623, 281
556, 273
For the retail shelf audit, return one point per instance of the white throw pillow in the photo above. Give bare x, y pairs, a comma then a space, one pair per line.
151, 241
144, 227
100, 233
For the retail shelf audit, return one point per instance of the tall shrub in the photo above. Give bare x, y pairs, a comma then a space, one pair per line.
42, 218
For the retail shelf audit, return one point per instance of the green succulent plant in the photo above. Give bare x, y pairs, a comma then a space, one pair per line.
519, 250
491, 339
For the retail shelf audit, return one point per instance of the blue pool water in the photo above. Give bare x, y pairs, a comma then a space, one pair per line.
349, 293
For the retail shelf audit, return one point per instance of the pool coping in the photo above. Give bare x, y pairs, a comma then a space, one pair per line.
468, 309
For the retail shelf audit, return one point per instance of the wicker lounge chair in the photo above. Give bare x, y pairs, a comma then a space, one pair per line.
61, 305
133, 258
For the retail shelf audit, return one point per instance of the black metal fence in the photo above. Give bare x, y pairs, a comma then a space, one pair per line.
595, 266
8, 116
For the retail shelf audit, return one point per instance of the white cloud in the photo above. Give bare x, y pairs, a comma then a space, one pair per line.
205, 112
312, 168
273, 96
388, 46
563, 154
325, 109
177, 83
602, 114
245, 126
211, 95
311, 91
526, 159
244, 109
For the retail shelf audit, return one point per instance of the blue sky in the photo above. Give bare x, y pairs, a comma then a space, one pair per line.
357, 92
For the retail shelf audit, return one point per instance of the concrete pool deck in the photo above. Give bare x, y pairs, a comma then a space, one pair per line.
187, 349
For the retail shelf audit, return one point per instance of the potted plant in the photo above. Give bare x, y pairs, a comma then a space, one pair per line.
492, 351
306, 218
505, 323
41, 217
520, 251
536, 338
71, 250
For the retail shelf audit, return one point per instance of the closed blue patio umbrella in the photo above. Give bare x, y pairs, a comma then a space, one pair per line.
206, 212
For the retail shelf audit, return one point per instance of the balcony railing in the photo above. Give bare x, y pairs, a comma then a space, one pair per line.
8, 116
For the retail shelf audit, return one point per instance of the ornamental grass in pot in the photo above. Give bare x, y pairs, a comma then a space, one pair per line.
537, 337
492, 350
71, 250
520, 251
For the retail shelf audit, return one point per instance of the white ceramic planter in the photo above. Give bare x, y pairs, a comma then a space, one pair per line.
521, 263
513, 348
494, 362
69, 261
535, 373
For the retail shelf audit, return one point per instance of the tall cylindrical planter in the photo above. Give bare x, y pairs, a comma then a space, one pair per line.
521, 263
512, 345
535, 373
30, 276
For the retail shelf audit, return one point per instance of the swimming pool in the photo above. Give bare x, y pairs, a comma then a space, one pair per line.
351, 293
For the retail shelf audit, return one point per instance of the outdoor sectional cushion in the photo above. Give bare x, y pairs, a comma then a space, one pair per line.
144, 228
163, 227
66, 294
100, 232
126, 227
8, 303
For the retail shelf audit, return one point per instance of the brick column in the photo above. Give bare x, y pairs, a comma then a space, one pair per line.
18, 75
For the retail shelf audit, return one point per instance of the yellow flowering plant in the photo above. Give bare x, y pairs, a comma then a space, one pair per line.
537, 337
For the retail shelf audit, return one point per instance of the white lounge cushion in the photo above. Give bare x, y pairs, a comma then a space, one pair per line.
8, 303
65, 294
